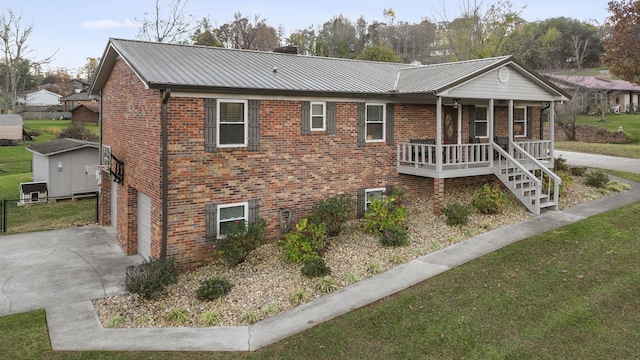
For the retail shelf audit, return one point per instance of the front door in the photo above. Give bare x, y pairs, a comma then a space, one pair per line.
450, 125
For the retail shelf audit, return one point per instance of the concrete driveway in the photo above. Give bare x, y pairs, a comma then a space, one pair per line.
61, 267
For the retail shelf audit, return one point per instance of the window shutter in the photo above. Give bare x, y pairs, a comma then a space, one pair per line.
388, 189
360, 203
254, 205
390, 123
306, 117
254, 125
472, 123
529, 122
361, 123
331, 118
211, 220
210, 125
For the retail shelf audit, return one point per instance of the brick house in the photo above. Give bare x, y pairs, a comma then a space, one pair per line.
197, 137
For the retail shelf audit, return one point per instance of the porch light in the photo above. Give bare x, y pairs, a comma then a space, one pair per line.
455, 103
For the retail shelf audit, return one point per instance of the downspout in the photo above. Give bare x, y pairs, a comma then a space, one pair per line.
542, 121
165, 171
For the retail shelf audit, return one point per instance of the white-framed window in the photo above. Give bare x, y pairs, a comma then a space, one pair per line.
318, 116
371, 194
229, 214
375, 122
232, 123
480, 121
519, 121
106, 155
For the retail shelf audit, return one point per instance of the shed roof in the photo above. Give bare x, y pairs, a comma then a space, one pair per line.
203, 68
59, 146
91, 107
11, 119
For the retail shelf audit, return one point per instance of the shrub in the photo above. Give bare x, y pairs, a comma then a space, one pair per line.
490, 199
249, 316
213, 288
387, 211
308, 240
397, 259
617, 186
578, 170
209, 318
239, 240
596, 179
394, 236
299, 297
271, 308
375, 268
326, 284
150, 278
78, 131
456, 213
115, 321
333, 212
560, 164
178, 316
315, 267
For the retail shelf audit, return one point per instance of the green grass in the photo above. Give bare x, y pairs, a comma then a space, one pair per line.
572, 293
622, 150
56, 215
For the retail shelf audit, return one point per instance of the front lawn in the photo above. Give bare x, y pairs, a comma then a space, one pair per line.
572, 293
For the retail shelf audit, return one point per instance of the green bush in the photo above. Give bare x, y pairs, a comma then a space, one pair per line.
560, 164
308, 240
213, 288
490, 199
578, 170
315, 267
456, 213
596, 179
394, 236
387, 211
150, 278
333, 212
78, 131
239, 241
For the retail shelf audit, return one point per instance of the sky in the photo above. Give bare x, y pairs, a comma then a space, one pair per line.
73, 31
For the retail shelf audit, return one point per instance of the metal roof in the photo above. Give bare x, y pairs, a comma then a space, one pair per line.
59, 146
11, 119
203, 68
592, 82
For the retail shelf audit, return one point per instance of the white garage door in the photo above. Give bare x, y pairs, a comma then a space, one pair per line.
114, 205
144, 225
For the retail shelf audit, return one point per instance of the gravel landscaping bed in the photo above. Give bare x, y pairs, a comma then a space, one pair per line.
265, 284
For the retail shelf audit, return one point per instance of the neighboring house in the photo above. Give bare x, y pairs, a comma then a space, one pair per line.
74, 100
61, 163
39, 98
622, 95
201, 136
86, 114
11, 126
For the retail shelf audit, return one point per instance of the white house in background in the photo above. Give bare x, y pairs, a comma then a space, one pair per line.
39, 98
61, 163
11, 126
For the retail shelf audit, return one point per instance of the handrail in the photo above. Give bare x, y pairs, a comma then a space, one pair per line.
511, 161
539, 166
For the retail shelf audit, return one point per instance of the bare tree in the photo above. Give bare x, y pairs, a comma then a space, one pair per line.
579, 49
13, 43
243, 33
173, 27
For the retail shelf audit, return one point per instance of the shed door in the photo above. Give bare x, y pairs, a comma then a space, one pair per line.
114, 205
144, 225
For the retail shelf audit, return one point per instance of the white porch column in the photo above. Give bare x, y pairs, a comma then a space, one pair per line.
439, 134
490, 126
552, 128
510, 125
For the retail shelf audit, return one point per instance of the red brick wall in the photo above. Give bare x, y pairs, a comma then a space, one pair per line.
83, 115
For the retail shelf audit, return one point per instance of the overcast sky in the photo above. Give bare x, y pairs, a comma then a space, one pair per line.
76, 30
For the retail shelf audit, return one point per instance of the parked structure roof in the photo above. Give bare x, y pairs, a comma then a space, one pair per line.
59, 146
203, 68
592, 82
11, 119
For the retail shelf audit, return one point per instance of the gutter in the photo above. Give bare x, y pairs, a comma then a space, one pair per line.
165, 171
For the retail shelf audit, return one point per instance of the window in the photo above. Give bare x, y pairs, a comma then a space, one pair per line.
374, 120
480, 121
318, 118
520, 121
232, 123
371, 194
228, 214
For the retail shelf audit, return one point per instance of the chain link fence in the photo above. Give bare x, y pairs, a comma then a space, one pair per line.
54, 213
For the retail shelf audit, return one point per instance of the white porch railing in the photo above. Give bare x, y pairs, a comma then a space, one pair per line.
456, 154
538, 149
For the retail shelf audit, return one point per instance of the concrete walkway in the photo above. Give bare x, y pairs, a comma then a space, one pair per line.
600, 161
63, 270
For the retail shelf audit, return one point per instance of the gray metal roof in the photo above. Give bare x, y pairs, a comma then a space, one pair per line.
204, 68
11, 119
59, 146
